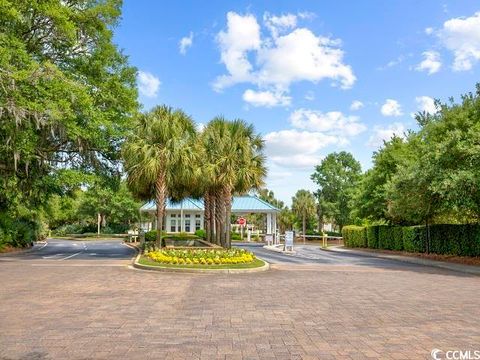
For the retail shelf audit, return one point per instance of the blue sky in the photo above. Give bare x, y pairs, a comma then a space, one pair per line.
313, 77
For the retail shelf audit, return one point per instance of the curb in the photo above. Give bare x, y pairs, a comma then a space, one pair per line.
24, 251
275, 249
466, 269
136, 265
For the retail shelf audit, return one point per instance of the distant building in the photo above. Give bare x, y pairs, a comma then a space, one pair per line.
187, 215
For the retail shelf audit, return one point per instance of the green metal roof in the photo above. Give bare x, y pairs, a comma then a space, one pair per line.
240, 204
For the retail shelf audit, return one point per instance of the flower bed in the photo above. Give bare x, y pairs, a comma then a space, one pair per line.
201, 257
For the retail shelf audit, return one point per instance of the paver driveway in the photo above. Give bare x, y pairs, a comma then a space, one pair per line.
96, 307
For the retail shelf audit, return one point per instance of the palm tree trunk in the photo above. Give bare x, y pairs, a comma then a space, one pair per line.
220, 217
206, 217
304, 227
228, 211
160, 195
213, 231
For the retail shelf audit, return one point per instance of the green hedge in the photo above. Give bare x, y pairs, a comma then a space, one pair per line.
460, 240
354, 236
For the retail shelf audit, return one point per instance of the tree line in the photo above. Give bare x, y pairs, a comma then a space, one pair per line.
431, 175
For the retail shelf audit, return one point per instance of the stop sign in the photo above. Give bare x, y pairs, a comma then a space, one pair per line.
242, 221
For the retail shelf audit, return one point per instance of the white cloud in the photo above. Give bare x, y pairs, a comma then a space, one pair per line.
431, 62
356, 105
242, 35
279, 24
333, 122
429, 30
296, 149
462, 36
148, 84
185, 43
426, 103
381, 134
291, 54
391, 108
266, 98
312, 131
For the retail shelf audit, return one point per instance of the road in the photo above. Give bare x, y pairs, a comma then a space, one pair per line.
70, 250
312, 254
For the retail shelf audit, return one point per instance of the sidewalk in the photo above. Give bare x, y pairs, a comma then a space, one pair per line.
468, 269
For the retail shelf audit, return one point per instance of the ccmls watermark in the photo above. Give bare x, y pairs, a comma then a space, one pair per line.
438, 354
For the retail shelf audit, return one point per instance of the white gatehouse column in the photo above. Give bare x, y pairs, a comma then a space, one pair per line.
269, 223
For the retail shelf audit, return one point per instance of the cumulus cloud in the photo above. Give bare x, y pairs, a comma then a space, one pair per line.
381, 134
266, 98
312, 130
279, 24
356, 105
333, 122
426, 103
148, 84
430, 63
296, 149
241, 36
185, 43
462, 36
391, 108
291, 54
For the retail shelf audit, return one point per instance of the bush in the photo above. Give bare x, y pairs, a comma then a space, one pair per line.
414, 238
235, 236
201, 233
372, 237
354, 236
448, 239
397, 234
201, 257
20, 232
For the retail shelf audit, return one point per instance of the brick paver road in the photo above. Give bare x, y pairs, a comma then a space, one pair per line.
101, 309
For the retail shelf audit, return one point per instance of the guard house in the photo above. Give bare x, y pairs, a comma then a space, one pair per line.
187, 215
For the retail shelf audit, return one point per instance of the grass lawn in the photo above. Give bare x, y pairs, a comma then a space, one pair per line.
254, 264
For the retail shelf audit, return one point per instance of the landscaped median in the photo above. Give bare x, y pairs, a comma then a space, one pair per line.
233, 260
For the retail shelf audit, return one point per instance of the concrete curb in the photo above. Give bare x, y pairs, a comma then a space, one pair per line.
275, 249
24, 251
137, 265
466, 269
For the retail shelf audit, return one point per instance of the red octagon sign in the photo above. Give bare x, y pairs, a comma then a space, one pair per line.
242, 221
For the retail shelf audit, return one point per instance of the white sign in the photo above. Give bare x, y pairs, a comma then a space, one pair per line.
288, 239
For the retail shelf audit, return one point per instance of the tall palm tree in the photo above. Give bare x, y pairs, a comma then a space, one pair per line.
233, 162
303, 205
159, 157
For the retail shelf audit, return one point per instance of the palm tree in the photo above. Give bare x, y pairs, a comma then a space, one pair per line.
303, 205
159, 156
232, 162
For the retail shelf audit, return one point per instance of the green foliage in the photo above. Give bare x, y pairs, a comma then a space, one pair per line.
372, 237
201, 233
414, 238
303, 206
354, 236
448, 239
337, 177
66, 98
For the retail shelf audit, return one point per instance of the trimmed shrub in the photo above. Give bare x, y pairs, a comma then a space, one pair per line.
201, 233
448, 239
354, 236
372, 237
385, 239
397, 234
